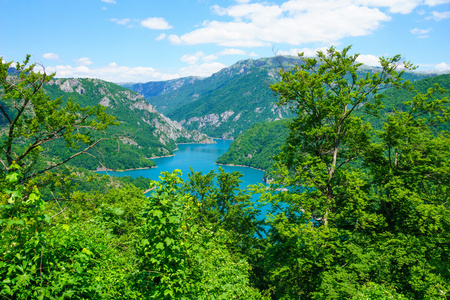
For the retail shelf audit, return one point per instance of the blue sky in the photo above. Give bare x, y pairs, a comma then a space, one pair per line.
147, 40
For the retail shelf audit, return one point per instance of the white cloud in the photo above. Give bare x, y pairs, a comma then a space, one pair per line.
83, 61
442, 66
369, 60
112, 72
123, 21
231, 51
194, 58
156, 23
203, 70
394, 6
420, 31
436, 2
174, 39
116, 73
161, 37
437, 16
209, 58
50, 56
294, 22
109, 1
308, 52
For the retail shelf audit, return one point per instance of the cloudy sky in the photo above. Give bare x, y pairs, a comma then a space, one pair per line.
151, 40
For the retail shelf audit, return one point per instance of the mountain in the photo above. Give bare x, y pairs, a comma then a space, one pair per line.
257, 145
230, 101
159, 89
143, 131
394, 98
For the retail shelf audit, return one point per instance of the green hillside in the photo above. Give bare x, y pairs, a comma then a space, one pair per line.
230, 101
395, 98
142, 131
168, 95
257, 145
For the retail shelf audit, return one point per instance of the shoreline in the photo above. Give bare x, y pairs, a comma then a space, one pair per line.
153, 157
99, 169
233, 165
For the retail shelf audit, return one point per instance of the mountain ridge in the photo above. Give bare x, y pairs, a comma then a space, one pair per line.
231, 100
143, 131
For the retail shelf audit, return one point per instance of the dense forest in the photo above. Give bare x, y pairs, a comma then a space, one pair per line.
258, 146
357, 212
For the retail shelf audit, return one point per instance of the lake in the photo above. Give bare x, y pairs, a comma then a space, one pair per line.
201, 157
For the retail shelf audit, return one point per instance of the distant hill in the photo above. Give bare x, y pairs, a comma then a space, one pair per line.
394, 98
230, 101
143, 131
158, 90
257, 145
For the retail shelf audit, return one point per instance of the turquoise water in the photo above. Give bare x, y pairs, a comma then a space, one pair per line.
201, 157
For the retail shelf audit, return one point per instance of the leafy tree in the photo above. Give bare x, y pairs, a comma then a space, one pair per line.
223, 204
42, 256
182, 257
358, 213
325, 136
33, 121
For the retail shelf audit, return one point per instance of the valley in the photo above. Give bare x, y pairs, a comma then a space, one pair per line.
141, 190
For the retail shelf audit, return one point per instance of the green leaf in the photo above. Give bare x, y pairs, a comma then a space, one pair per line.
168, 241
157, 213
13, 177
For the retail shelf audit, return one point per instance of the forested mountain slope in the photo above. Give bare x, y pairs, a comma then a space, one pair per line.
257, 145
230, 101
175, 92
142, 132
394, 98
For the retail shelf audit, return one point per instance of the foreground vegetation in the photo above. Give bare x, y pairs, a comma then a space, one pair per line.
356, 213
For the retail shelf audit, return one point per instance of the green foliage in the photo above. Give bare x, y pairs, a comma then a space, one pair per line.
44, 259
182, 255
356, 213
32, 121
397, 99
359, 213
221, 204
257, 146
